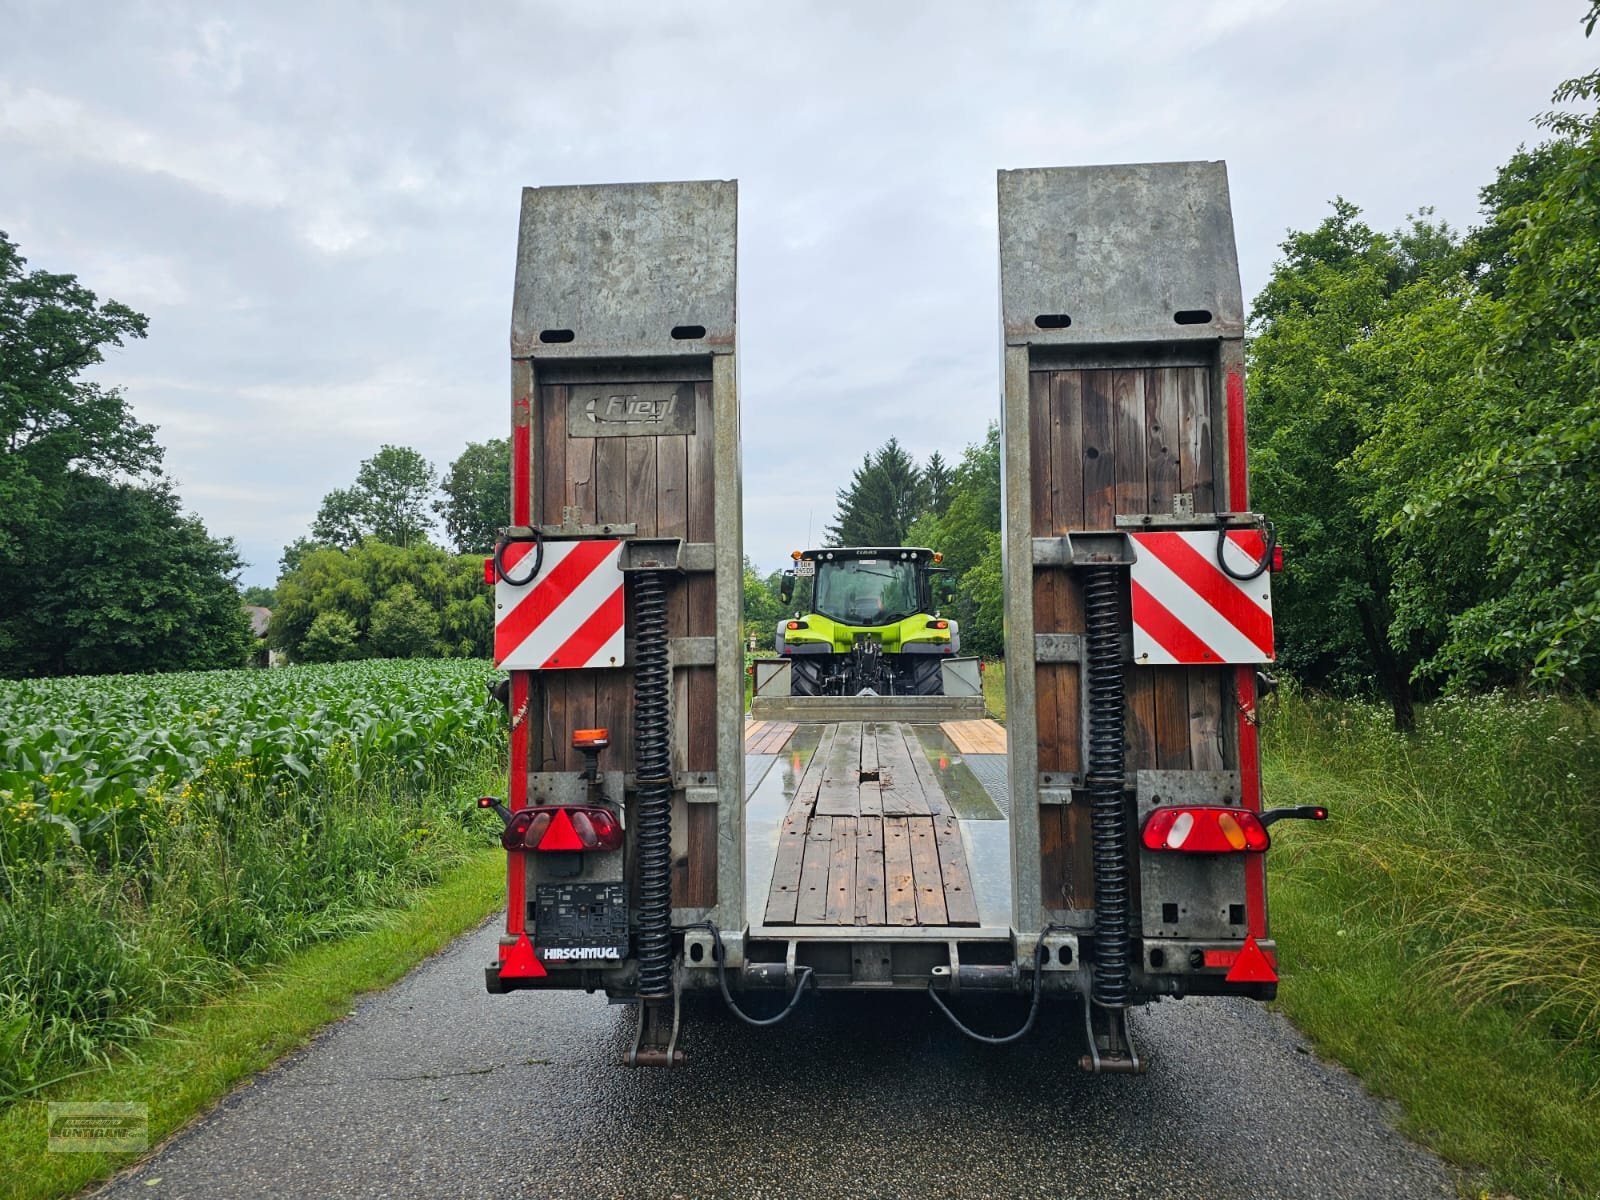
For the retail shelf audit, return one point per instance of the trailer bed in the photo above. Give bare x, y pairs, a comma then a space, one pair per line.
871, 832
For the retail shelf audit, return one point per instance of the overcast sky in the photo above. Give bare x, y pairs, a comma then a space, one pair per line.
316, 203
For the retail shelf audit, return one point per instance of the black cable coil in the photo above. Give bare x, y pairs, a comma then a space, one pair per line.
652, 742
1108, 817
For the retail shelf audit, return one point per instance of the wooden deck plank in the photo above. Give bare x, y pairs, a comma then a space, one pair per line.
929, 883
900, 892
961, 905
904, 793
784, 894
927, 778
842, 873
812, 908
869, 872
840, 795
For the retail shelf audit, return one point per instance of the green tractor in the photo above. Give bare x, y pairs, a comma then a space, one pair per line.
874, 626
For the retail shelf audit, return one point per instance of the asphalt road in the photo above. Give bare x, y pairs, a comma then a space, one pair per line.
434, 1088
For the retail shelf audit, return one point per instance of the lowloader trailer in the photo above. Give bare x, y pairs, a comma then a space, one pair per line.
1106, 849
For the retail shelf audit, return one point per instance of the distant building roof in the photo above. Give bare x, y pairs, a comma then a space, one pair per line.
260, 618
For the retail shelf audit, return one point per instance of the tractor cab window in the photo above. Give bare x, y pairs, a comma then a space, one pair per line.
867, 591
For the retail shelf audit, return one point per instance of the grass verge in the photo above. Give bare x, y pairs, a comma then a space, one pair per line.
205, 1053
994, 688
1438, 934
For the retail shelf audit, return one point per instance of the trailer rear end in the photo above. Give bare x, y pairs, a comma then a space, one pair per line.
1106, 848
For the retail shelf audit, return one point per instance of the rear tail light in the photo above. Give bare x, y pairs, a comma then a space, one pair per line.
488, 572
1204, 830
798, 625
551, 828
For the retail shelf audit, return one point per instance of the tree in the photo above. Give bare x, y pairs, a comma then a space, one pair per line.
762, 607
52, 329
968, 534
937, 480
390, 501
402, 625
121, 581
99, 569
883, 498
1528, 471
332, 637
356, 584
1316, 395
259, 597
477, 491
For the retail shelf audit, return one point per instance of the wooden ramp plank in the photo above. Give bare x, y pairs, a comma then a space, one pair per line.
784, 894
752, 733
933, 796
813, 906
869, 871
961, 905
841, 781
929, 884
903, 792
842, 873
976, 737
772, 739
900, 892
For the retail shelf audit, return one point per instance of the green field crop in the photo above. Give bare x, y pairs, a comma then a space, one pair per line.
158, 833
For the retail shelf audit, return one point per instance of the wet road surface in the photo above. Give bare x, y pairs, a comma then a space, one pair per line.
435, 1088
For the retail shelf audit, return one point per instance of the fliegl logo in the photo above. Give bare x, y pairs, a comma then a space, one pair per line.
630, 409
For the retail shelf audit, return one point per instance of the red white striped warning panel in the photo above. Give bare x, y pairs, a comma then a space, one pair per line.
569, 616
1186, 609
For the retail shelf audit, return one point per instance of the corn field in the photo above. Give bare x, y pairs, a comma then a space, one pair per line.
160, 834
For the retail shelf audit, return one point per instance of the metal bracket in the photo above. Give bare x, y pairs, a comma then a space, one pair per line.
692, 651
571, 528
1083, 549
570, 787
1188, 519
1058, 647
1155, 788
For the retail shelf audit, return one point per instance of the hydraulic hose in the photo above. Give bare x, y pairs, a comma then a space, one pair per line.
652, 749
1108, 817
536, 559
1269, 543
727, 996
1022, 1031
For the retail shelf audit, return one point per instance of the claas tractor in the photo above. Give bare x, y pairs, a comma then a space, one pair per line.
872, 624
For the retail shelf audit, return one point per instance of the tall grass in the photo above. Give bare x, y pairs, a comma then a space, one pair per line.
1473, 845
222, 859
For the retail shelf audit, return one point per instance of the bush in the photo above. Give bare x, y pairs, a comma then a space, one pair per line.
333, 637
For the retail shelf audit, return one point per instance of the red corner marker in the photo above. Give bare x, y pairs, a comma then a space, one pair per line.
1252, 966
519, 961
561, 835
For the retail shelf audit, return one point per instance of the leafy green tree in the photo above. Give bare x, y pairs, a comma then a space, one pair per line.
259, 597
1317, 393
355, 583
968, 534
937, 480
391, 501
1529, 471
762, 607
332, 637
883, 498
477, 491
123, 582
342, 520
100, 570
402, 625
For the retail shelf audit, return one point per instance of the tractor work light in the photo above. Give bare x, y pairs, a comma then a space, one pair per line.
1204, 830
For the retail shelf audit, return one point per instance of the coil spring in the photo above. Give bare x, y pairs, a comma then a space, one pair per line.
652, 741
1108, 818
